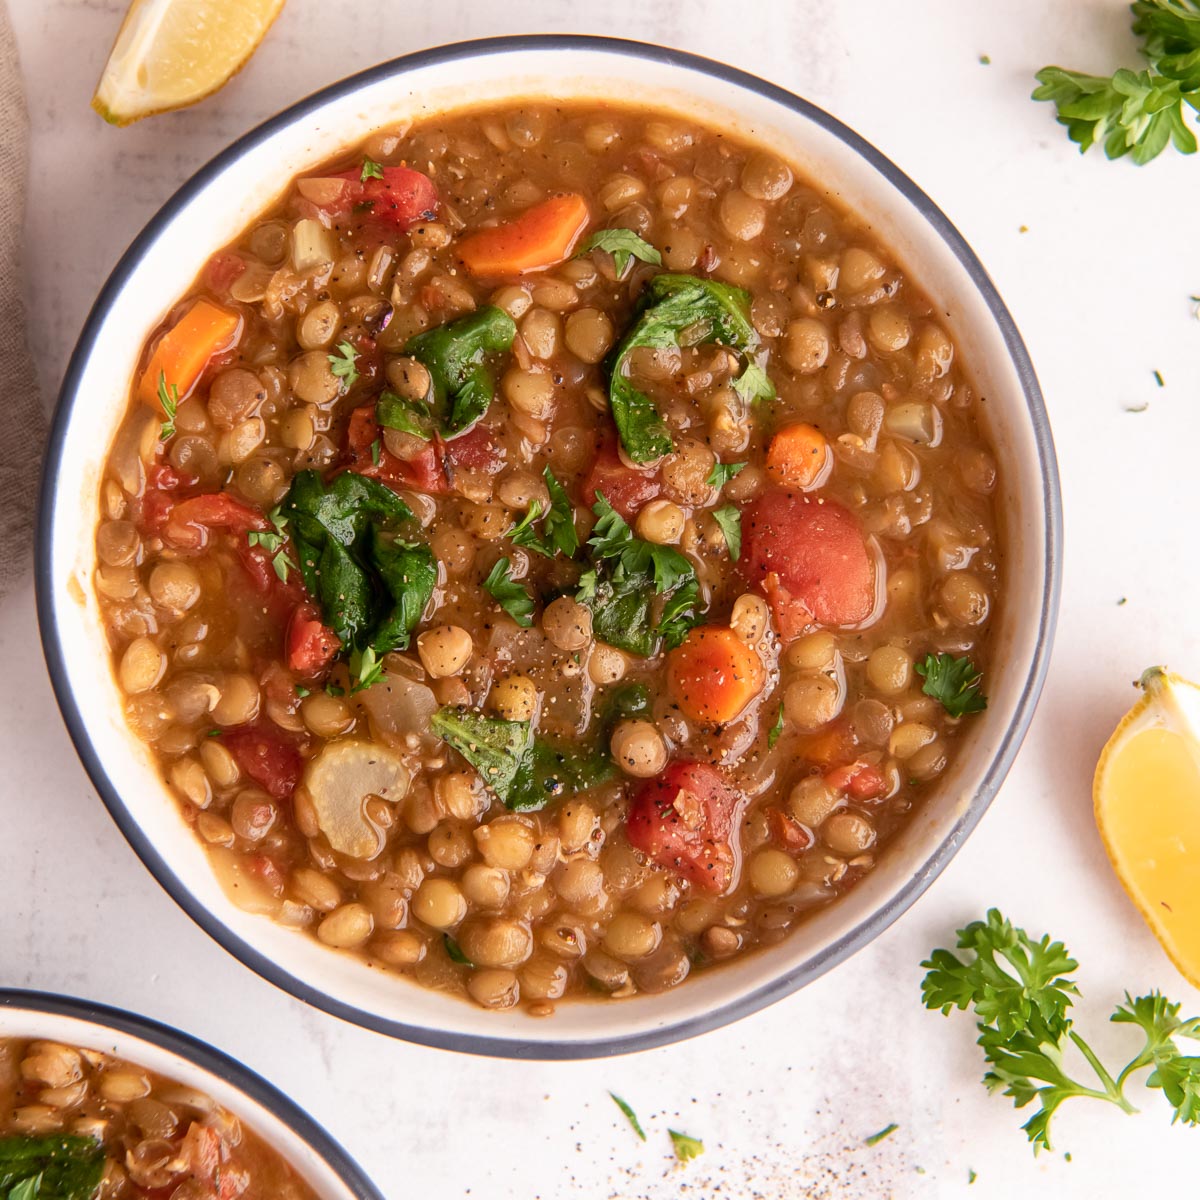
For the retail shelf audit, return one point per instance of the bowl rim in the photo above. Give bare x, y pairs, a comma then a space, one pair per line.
209, 1059
446, 1037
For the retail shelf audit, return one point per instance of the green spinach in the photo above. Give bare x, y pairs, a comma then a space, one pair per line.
50, 1168
457, 357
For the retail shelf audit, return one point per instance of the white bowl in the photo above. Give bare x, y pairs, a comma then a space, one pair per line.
282, 1125
224, 197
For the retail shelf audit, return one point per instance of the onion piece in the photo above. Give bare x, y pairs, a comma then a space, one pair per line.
312, 245
323, 190
340, 780
915, 422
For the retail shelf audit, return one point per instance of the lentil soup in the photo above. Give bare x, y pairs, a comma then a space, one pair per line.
86, 1124
551, 552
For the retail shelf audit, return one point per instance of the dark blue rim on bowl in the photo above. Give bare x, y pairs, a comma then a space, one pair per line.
209, 1059
833, 954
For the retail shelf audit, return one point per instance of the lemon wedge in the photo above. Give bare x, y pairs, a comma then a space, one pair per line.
1147, 798
171, 53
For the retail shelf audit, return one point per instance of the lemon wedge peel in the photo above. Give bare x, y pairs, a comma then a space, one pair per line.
172, 53
1146, 796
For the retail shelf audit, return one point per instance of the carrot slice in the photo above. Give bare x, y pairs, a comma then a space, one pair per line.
540, 237
186, 349
798, 456
713, 674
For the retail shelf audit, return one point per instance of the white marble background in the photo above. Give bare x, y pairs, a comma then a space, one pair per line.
1099, 285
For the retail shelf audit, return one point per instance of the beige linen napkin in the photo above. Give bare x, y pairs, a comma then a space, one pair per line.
25, 426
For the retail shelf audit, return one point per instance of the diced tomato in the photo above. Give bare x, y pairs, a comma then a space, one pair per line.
223, 268
625, 488
311, 644
402, 198
810, 559
683, 820
163, 483
189, 522
266, 755
860, 780
834, 744
431, 471
787, 831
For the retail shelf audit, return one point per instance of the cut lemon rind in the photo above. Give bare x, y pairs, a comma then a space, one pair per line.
172, 53
1147, 806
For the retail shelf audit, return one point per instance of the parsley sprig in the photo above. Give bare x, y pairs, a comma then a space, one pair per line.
342, 364
509, 594
1136, 112
370, 170
624, 245
953, 682
1021, 993
273, 542
558, 534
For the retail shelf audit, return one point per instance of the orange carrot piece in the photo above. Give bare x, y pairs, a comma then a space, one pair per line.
713, 674
186, 349
798, 456
542, 236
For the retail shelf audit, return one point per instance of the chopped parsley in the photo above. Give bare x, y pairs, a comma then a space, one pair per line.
722, 473
454, 950
953, 682
272, 543
376, 451
754, 384
370, 170
558, 535
776, 729
885, 1132
630, 1115
624, 245
509, 594
168, 397
686, 1147
729, 517
342, 364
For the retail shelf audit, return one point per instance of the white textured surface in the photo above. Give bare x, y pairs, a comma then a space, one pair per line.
1099, 285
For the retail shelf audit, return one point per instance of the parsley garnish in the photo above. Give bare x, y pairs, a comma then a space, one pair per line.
376, 451
342, 365
630, 1115
776, 729
558, 531
686, 1147
454, 950
365, 669
1136, 112
623, 245
168, 397
272, 543
722, 473
302, 691
953, 682
885, 1132
1020, 992
729, 517
754, 384
370, 170
510, 595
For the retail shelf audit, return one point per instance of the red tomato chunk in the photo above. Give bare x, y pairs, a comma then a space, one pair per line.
267, 756
683, 820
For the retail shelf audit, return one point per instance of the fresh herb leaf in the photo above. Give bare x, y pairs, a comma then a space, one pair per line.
523, 533
623, 245
971, 1176
686, 1147
754, 384
497, 749
273, 543
722, 473
729, 517
559, 525
370, 170
776, 729
457, 356
885, 1132
342, 364
953, 682
376, 451
56, 1167
332, 689
670, 305
1021, 995
168, 397
626, 574
365, 669
302, 691
408, 416
629, 1114
454, 950
510, 595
